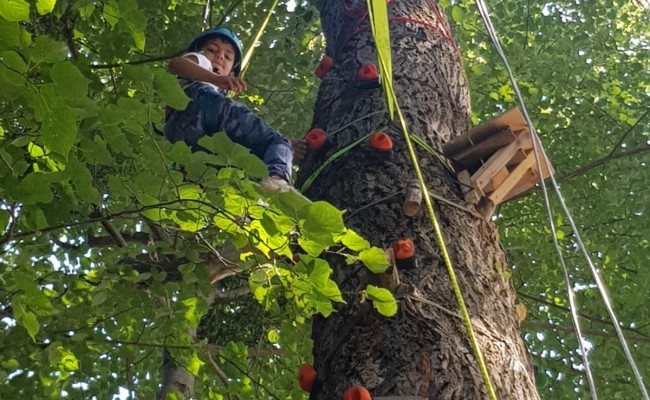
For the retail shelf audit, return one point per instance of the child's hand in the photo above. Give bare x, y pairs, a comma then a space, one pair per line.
299, 149
230, 83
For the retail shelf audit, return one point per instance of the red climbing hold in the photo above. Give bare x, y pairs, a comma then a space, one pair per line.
324, 66
307, 377
357, 393
316, 138
404, 251
380, 141
367, 72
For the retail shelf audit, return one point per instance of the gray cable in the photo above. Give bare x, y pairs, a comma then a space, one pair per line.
601, 287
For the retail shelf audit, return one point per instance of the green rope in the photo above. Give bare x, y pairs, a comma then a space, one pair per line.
330, 160
392, 98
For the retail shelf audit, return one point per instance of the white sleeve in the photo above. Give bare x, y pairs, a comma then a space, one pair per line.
203, 60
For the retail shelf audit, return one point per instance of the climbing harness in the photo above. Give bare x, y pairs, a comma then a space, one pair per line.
540, 154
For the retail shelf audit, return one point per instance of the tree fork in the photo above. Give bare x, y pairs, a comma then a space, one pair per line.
423, 350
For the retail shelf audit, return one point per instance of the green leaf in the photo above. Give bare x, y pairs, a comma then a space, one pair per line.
170, 92
4, 220
374, 259
320, 271
45, 6
9, 33
312, 248
194, 311
321, 221
14, 10
13, 61
330, 290
35, 218
457, 14
69, 82
194, 364
46, 49
68, 362
29, 321
99, 298
59, 129
382, 300
234, 154
273, 336
111, 12
354, 241
37, 189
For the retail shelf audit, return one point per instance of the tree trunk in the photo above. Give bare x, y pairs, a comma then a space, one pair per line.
424, 350
174, 377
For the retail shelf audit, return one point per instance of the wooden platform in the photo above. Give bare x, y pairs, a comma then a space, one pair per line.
495, 161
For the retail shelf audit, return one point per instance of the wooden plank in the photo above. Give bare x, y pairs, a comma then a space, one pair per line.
472, 156
517, 158
513, 179
499, 177
529, 180
469, 193
511, 118
499, 160
486, 208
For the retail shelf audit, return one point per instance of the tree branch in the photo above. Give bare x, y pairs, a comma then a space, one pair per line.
587, 167
586, 316
541, 325
622, 139
136, 62
602, 161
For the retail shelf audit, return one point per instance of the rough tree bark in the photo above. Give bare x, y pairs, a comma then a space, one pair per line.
424, 350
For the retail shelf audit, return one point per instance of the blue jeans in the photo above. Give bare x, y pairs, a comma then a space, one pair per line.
209, 112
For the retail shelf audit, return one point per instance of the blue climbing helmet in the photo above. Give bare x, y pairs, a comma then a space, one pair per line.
223, 33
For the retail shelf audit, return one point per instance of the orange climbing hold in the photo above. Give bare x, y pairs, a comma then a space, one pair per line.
403, 249
357, 393
380, 141
367, 72
324, 66
316, 138
307, 377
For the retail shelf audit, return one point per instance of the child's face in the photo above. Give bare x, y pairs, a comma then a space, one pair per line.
221, 54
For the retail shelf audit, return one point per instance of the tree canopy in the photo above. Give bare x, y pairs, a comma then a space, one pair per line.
105, 242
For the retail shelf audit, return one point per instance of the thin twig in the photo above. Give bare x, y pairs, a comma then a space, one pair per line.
622, 139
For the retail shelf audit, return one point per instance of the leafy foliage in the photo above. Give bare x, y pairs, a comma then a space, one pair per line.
86, 315
106, 240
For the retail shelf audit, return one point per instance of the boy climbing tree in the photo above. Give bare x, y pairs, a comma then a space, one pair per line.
211, 65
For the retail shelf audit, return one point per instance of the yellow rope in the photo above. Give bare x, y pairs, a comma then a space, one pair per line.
445, 254
249, 52
378, 14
